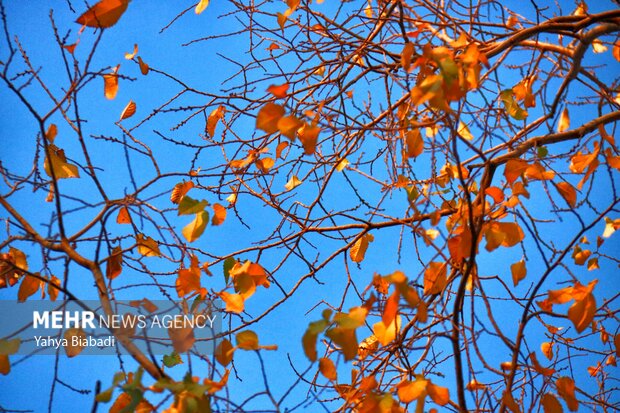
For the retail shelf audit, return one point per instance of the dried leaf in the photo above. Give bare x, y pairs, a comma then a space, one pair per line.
130, 56
213, 119
219, 215
201, 6
179, 191
29, 286
566, 390
129, 110
147, 246
123, 216
268, 117
144, 68
114, 263
234, 302
550, 404
278, 91
293, 183
518, 271
104, 14
224, 352
58, 162
435, 278
309, 135
358, 250
194, 229
568, 192
328, 369
564, 122
75, 337
110, 83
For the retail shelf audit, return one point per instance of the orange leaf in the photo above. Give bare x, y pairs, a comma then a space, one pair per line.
358, 250
435, 278
309, 135
414, 143
537, 171
518, 271
5, 365
28, 287
547, 349
568, 193
391, 308
409, 391
265, 164
123, 216
564, 122
234, 302
496, 193
70, 47
52, 289
179, 191
144, 68
114, 263
278, 91
74, 335
219, 214
440, 395
110, 83
566, 389
104, 14
581, 313
474, 385
213, 119
514, 168
328, 369
280, 148
406, 55
510, 403
189, 278
550, 404
224, 352
268, 117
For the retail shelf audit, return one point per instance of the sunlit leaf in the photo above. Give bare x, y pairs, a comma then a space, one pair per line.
103, 14
440, 395
189, 206
293, 183
201, 6
309, 135
328, 369
564, 122
144, 68
514, 169
268, 117
518, 271
343, 163
414, 143
110, 83
568, 192
247, 340
219, 214
29, 286
147, 246
52, 287
51, 132
512, 107
358, 250
130, 56
123, 216
581, 313
280, 148
386, 333
114, 263
278, 91
234, 302
496, 193
547, 349
510, 402
194, 229
224, 352
213, 119
435, 278
58, 162
188, 279
566, 390
464, 132
475, 385
179, 191
598, 46
550, 404
409, 391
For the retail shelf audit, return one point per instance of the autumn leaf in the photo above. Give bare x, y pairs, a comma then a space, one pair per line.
511, 106
188, 279
268, 117
568, 193
278, 91
566, 390
144, 68
292, 183
179, 191
201, 6
114, 263
386, 333
51, 132
234, 302
435, 278
514, 169
550, 404
52, 287
29, 286
414, 143
518, 271
342, 164
495, 193
129, 110
147, 246
194, 229
440, 395
110, 83
213, 119
547, 349
564, 122
358, 250
219, 215
464, 132
130, 56
103, 14
581, 313
409, 391
280, 148
406, 55
288, 126
73, 335
510, 402
328, 369
247, 340
265, 164
309, 135
58, 162
224, 352
123, 216
189, 206
310, 337
475, 385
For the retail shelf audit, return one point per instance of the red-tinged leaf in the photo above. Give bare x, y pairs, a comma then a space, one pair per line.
279, 91
518, 271
309, 135
104, 14
406, 55
435, 278
123, 216
114, 263
545, 371
328, 369
495, 193
219, 215
475, 385
581, 313
29, 286
179, 191
566, 390
551, 404
617, 344
70, 47
224, 352
5, 365
391, 308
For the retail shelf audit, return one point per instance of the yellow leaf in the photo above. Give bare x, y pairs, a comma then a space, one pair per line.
518, 271
58, 162
547, 349
265, 164
387, 333
598, 46
414, 143
234, 302
537, 172
368, 9
564, 122
110, 83
28, 287
179, 191
247, 340
328, 369
104, 14
358, 250
464, 132
435, 278
309, 135
74, 337
293, 183
219, 215
268, 117
201, 6
194, 229
130, 56
550, 404
214, 118
568, 192
566, 390
129, 110
147, 246
343, 163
